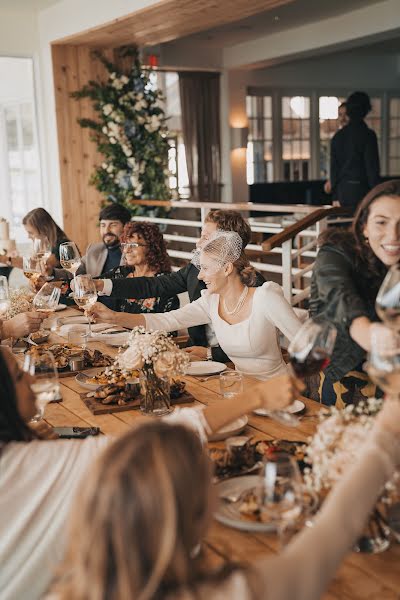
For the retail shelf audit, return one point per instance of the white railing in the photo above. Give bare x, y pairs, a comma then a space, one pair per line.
277, 259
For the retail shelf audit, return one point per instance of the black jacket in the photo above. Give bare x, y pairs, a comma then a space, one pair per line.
341, 292
354, 163
184, 280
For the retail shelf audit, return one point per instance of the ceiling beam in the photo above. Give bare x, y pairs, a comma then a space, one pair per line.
169, 20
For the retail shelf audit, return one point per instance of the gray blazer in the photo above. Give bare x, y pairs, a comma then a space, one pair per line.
92, 262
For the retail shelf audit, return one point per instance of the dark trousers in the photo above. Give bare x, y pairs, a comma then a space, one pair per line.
350, 194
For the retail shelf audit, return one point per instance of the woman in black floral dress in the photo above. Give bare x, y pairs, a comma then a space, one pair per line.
145, 253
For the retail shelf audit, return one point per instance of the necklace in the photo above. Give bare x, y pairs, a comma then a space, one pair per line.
239, 304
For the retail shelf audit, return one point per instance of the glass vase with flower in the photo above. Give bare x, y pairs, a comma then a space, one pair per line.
157, 358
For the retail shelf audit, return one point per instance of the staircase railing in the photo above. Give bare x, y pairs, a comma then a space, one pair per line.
286, 256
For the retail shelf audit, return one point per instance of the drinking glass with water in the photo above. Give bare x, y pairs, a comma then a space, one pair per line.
231, 384
46, 386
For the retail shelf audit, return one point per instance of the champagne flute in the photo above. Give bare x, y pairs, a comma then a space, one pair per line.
85, 295
46, 386
387, 302
383, 363
280, 490
311, 349
70, 258
4, 297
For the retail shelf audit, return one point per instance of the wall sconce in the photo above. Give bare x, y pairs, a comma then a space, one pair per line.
239, 137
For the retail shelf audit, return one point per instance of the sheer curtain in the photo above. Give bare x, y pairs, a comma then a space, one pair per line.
200, 100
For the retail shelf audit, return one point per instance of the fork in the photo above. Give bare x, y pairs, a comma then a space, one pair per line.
209, 376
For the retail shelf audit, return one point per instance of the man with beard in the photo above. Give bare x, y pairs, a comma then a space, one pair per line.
105, 255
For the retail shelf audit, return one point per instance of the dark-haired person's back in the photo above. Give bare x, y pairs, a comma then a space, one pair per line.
354, 163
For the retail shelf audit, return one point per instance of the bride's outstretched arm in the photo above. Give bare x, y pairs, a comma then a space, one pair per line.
195, 313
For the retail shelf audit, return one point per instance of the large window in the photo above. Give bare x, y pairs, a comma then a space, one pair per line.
259, 148
296, 152
394, 137
303, 126
19, 155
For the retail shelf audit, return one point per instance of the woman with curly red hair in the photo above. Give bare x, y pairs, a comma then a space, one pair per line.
145, 253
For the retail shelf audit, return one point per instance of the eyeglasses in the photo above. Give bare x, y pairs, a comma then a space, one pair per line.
129, 247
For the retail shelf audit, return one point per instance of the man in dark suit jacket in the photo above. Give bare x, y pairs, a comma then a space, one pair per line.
354, 155
202, 338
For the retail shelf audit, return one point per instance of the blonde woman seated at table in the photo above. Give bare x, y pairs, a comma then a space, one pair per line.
245, 318
39, 478
146, 548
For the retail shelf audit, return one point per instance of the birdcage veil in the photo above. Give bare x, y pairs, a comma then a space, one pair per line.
223, 247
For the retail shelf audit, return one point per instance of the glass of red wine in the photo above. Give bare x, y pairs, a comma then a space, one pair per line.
387, 302
311, 349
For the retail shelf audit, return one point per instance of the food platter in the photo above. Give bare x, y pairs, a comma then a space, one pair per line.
63, 353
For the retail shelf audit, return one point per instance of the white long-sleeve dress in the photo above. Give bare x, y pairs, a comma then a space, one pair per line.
252, 345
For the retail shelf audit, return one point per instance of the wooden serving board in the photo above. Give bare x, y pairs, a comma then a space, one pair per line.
97, 408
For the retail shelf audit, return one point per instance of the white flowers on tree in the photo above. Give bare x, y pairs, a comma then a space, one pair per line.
130, 133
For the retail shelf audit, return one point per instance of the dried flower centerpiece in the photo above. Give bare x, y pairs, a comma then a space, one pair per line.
336, 445
158, 358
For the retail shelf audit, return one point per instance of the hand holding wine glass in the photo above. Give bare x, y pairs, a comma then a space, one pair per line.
85, 295
311, 348
383, 363
70, 257
46, 386
32, 268
387, 302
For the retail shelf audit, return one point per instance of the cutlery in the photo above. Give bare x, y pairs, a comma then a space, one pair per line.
209, 376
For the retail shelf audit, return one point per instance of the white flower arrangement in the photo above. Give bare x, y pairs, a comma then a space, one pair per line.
20, 302
337, 442
153, 350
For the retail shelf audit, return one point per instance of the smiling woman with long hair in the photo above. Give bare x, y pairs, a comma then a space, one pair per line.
148, 503
348, 271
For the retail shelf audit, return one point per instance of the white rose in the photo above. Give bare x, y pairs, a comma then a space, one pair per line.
131, 161
131, 359
104, 166
124, 79
113, 75
113, 140
110, 169
107, 109
105, 130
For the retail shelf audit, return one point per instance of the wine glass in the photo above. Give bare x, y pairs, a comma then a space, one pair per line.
4, 297
32, 268
42, 251
70, 258
85, 295
383, 363
46, 386
387, 302
280, 490
47, 298
311, 349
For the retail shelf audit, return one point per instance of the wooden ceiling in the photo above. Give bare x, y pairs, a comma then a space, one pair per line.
168, 20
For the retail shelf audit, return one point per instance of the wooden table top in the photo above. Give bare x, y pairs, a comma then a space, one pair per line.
361, 576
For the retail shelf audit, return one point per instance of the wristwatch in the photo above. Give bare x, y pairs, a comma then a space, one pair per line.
209, 353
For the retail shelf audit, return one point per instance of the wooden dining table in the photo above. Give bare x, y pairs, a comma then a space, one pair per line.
361, 576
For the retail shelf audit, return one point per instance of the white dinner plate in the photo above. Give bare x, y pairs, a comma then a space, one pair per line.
82, 378
233, 428
205, 367
296, 407
228, 512
61, 307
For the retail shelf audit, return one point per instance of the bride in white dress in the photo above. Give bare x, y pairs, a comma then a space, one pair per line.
245, 318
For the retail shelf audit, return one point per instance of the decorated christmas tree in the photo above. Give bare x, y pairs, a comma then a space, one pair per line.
130, 133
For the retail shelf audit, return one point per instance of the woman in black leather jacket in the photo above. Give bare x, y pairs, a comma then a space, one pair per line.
348, 272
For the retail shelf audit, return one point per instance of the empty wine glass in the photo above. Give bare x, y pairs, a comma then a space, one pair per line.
47, 298
387, 302
46, 386
311, 349
383, 363
85, 295
70, 257
280, 490
4, 296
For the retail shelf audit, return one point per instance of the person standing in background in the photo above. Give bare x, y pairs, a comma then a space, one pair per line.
354, 155
343, 120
